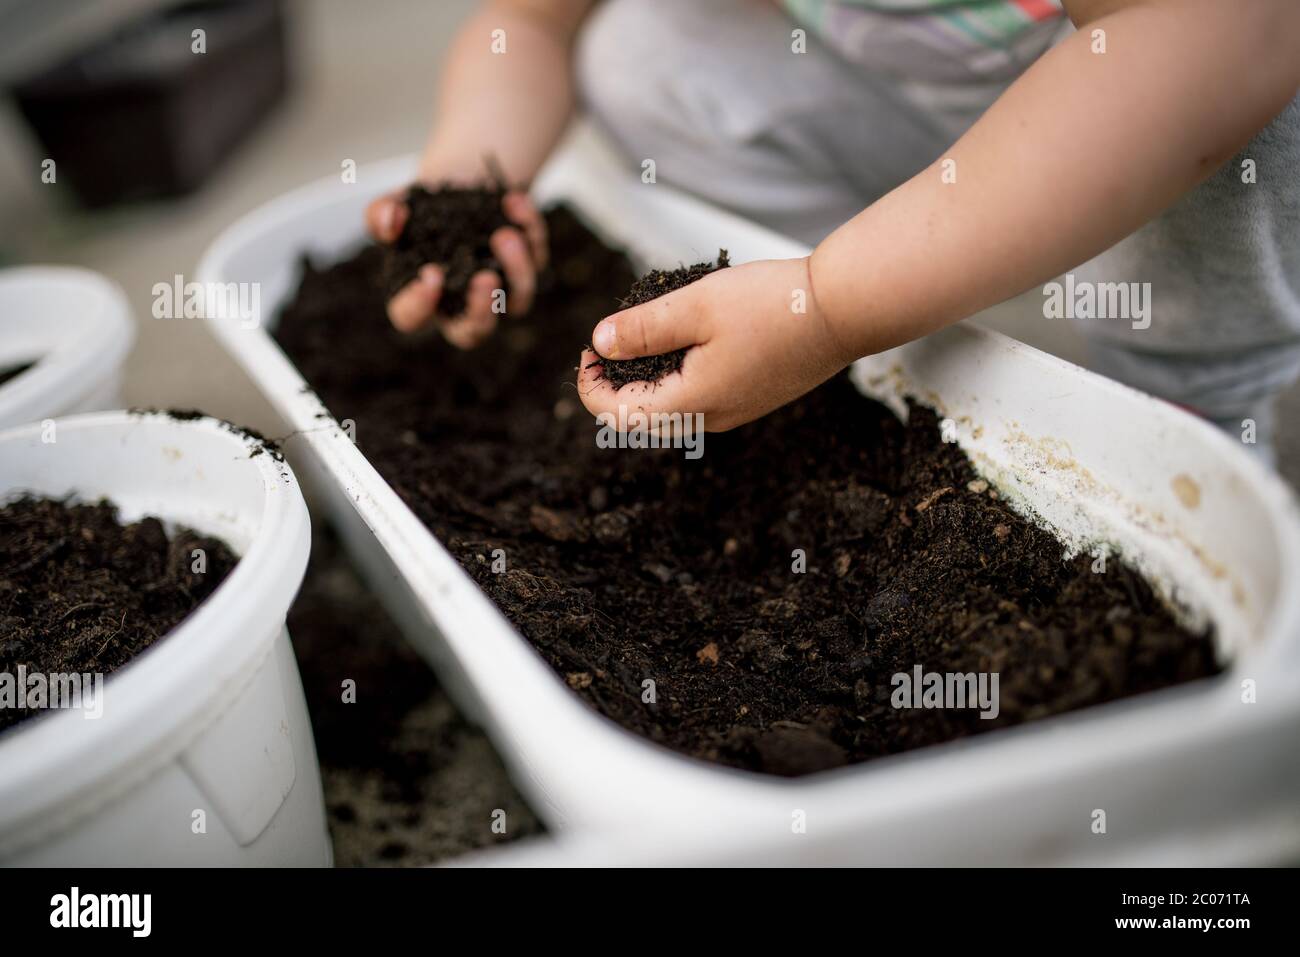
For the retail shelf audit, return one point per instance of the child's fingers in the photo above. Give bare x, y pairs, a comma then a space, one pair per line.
672, 393
478, 321
415, 303
481, 294
511, 251
596, 392
468, 331
386, 217
520, 210
661, 325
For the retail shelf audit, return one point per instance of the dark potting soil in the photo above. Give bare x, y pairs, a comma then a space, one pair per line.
652, 285
407, 780
628, 566
450, 227
13, 372
80, 592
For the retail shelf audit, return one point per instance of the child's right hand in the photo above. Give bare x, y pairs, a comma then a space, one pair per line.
521, 250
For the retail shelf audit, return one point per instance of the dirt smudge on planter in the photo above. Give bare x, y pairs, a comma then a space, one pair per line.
407, 780
751, 607
1187, 490
82, 593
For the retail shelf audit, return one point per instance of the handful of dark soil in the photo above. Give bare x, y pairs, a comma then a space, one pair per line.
450, 227
80, 592
656, 283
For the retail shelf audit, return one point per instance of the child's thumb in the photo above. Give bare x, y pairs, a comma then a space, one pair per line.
650, 329
385, 218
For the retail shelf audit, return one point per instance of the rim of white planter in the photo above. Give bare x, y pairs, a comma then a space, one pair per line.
581, 771
75, 325
60, 767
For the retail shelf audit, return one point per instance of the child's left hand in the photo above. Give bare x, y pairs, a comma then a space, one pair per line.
757, 341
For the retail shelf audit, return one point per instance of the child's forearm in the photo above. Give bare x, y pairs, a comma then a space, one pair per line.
509, 93
1078, 153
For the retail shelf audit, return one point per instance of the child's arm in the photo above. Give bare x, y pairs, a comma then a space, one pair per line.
507, 95
1079, 152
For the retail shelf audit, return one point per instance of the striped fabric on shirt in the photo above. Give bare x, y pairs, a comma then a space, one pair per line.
940, 40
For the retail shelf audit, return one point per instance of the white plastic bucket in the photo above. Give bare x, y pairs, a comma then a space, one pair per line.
209, 725
1191, 767
75, 325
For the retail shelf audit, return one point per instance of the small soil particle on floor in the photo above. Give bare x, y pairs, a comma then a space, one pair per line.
407, 780
450, 227
767, 592
82, 593
656, 283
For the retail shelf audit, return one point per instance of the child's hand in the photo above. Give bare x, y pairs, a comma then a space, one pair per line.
521, 251
759, 341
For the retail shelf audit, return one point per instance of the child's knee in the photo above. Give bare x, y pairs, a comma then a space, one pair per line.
623, 69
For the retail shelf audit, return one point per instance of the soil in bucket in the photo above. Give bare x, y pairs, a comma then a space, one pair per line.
750, 607
407, 780
82, 593
655, 283
452, 227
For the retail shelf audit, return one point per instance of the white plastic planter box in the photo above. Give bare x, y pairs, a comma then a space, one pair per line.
1190, 770
212, 718
76, 327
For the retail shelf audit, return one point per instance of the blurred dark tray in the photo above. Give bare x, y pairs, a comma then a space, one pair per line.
139, 115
